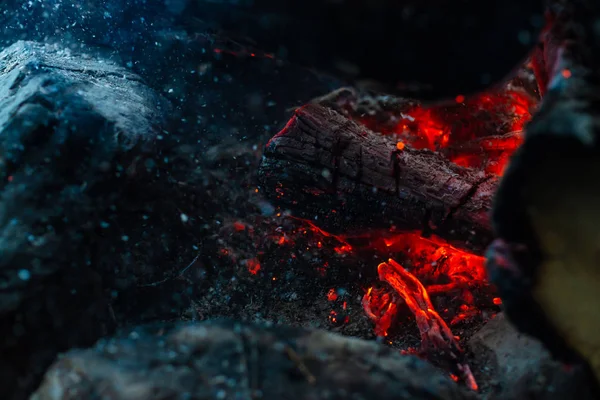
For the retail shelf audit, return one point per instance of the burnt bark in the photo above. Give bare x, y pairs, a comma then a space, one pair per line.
218, 360
329, 169
72, 130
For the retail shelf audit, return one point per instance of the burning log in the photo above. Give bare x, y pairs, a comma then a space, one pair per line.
546, 214
332, 170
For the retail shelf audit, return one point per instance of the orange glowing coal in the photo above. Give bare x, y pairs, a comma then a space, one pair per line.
441, 266
435, 333
480, 132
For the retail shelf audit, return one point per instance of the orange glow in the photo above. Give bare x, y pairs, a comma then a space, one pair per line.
238, 226
497, 301
342, 248
400, 146
439, 265
380, 307
253, 266
566, 73
332, 295
458, 129
333, 317
436, 336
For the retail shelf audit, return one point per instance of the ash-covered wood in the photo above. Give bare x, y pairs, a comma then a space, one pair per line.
513, 365
546, 213
71, 127
227, 360
329, 169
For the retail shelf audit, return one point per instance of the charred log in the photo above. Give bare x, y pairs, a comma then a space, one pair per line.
71, 130
546, 214
327, 168
215, 360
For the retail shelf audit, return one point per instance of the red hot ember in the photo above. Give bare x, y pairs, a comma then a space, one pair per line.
477, 132
435, 333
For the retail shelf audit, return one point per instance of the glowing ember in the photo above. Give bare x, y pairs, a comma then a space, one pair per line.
238, 226
344, 246
332, 295
337, 320
436, 336
457, 129
380, 307
253, 266
440, 266
438, 127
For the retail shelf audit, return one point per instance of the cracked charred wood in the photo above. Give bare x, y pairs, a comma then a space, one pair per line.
226, 360
327, 168
546, 212
72, 130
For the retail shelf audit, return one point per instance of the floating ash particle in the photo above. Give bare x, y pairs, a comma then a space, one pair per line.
24, 274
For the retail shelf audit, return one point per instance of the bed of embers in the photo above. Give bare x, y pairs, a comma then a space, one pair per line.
412, 289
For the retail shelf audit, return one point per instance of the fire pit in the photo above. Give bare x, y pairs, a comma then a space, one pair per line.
398, 226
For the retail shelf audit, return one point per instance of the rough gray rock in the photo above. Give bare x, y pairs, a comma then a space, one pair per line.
519, 367
72, 128
229, 360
